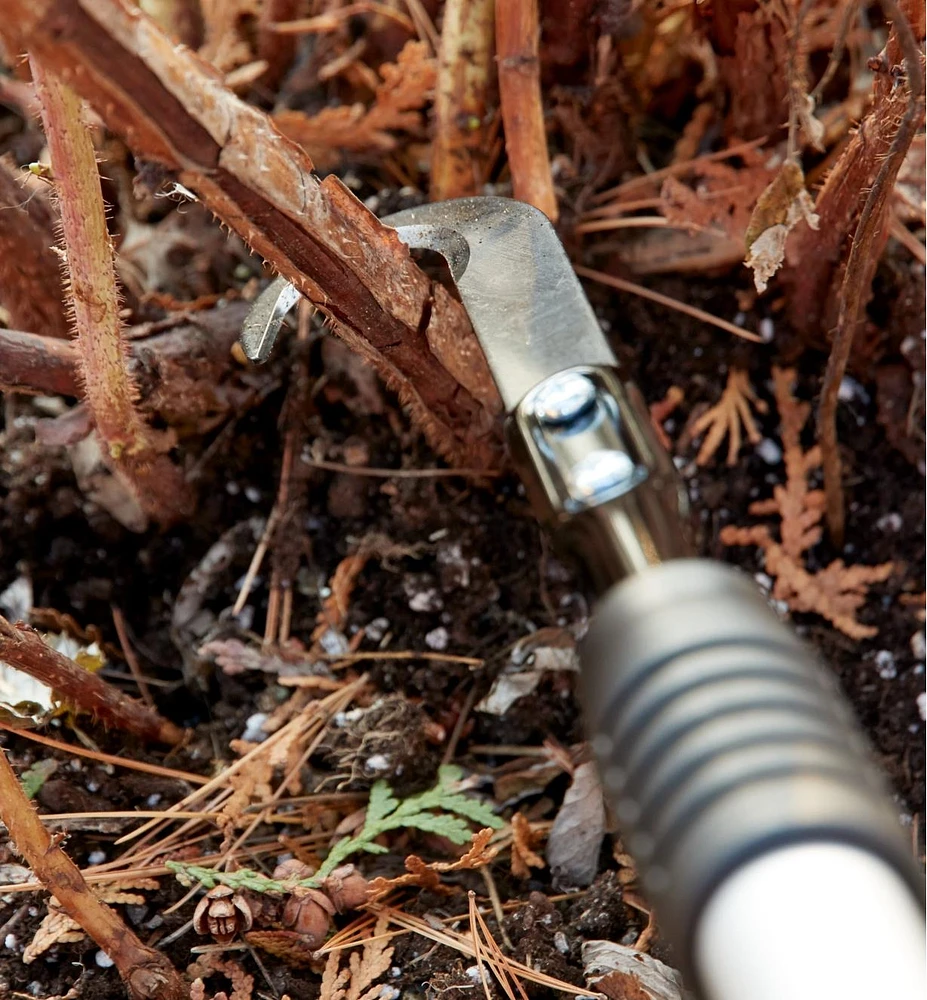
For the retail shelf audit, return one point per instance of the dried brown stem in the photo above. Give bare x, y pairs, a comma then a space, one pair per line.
34, 364
857, 277
147, 973
170, 108
30, 272
461, 129
814, 258
517, 37
108, 387
184, 371
22, 647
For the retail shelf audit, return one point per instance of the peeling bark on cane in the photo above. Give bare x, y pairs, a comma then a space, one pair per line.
172, 110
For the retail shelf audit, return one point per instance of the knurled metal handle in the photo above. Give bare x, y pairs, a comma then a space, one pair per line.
721, 738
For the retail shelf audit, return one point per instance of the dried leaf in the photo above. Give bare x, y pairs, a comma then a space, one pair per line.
623, 973
549, 649
576, 836
730, 416
836, 592
779, 210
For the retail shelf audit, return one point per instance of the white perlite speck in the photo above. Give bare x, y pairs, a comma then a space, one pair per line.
437, 638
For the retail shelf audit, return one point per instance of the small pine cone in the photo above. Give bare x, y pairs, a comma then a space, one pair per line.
222, 912
292, 868
346, 888
309, 912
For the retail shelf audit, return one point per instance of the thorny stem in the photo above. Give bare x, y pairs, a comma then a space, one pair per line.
464, 64
518, 37
110, 391
173, 112
23, 648
147, 973
870, 224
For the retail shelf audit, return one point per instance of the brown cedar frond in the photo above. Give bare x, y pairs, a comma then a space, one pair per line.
420, 873
211, 963
404, 89
836, 592
524, 840
731, 416
58, 928
358, 980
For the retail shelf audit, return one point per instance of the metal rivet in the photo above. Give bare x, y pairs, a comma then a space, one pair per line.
563, 398
601, 471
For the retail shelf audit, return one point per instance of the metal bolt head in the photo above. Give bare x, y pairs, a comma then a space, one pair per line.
601, 472
563, 398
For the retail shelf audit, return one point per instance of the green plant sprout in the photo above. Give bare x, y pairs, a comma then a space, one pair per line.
443, 810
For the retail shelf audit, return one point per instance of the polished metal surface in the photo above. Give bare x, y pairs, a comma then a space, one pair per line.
525, 302
264, 319
563, 398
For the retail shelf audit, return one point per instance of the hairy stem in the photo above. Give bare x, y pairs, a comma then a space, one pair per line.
22, 647
172, 111
858, 274
108, 387
147, 973
464, 66
517, 38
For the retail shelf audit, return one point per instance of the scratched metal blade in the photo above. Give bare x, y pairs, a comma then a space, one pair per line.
524, 300
266, 316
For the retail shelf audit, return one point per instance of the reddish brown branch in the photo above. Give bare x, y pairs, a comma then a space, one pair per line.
860, 266
815, 258
517, 36
464, 65
147, 973
128, 444
30, 271
184, 369
23, 648
171, 109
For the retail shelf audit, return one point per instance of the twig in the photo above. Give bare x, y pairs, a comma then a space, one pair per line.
459, 147
900, 232
518, 35
23, 648
184, 369
367, 470
862, 253
129, 653
128, 443
172, 111
147, 973
108, 758
664, 300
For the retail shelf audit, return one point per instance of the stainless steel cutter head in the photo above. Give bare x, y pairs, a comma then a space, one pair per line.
526, 304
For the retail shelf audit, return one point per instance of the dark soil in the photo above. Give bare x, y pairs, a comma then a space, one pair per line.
490, 579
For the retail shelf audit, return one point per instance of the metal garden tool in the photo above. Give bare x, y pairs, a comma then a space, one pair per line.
744, 788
